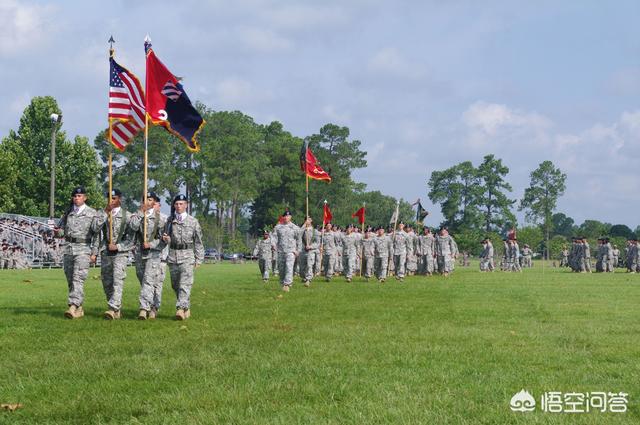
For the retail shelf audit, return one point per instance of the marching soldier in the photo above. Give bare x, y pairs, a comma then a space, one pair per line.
368, 253
382, 246
425, 251
400, 242
330, 254
264, 251
616, 256
310, 240
186, 252
446, 251
149, 265
412, 246
349, 254
79, 227
526, 256
115, 243
287, 241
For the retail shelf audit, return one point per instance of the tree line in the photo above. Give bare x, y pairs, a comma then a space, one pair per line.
241, 181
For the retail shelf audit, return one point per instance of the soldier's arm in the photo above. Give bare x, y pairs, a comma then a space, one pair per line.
135, 221
198, 246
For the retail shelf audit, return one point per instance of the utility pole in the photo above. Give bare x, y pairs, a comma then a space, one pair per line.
55, 123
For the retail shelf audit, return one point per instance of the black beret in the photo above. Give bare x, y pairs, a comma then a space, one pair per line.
286, 213
80, 190
180, 197
153, 196
116, 192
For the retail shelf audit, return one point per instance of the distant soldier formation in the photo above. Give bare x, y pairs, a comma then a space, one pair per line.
330, 250
114, 233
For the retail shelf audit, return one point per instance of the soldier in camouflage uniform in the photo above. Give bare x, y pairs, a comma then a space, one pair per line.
330, 252
382, 246
310, 242
412, 246
426, 244
527, 254
264, 251
186, 252
115, 243
446, 251
368, 253
616, 256
350, 244
339, 264
149, 250
79, 227
287, 241
400, 242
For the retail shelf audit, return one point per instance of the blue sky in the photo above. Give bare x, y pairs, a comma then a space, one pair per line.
423, 84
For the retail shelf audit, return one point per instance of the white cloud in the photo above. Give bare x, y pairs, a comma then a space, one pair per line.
235, 92
22, 26
263, 40
391, 62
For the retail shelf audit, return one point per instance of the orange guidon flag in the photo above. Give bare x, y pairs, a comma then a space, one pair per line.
326, 214
309, 164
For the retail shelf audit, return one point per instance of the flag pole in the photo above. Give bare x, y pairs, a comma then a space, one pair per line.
110, 159
364, 218
307, 199
322, 235
146, 161
393, 234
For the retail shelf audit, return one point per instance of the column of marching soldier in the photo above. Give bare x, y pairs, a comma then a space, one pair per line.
330, 250
175, 240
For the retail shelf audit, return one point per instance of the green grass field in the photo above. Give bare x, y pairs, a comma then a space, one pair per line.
429, 351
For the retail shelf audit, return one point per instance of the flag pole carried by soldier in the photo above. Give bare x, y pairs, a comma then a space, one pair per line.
114, 253
150, 269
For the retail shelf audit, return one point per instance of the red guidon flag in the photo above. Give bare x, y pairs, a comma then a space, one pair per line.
360, 214
326, 214
309, 164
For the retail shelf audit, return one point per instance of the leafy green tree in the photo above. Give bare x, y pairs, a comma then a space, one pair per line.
492, 200
593, 229
8, 180
620, 230
532, 236
563, 225
540, 198
456, 189
29, 149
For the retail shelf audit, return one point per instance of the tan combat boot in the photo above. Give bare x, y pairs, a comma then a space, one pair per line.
142, 315
153, 313
111, 314
187, 313
179, 314
71, 312
285, 288
78, 313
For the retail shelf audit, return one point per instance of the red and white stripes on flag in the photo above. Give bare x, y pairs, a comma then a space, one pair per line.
126, 105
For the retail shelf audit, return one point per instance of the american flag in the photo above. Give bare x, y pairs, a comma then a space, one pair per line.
126, 105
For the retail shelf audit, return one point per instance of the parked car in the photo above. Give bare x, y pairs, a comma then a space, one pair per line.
234, 256
211, 253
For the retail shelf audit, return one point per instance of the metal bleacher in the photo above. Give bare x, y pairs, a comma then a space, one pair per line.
26, 239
